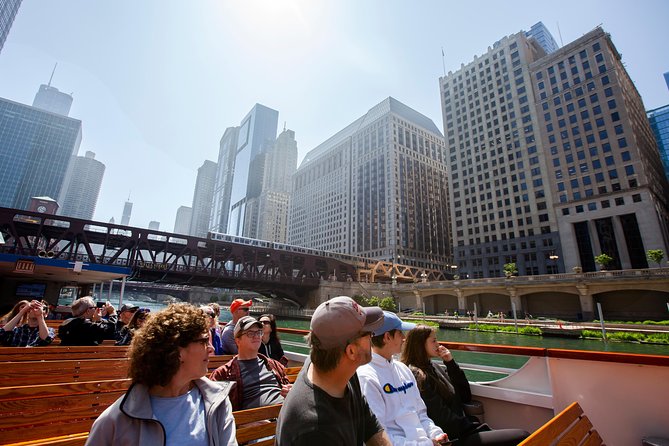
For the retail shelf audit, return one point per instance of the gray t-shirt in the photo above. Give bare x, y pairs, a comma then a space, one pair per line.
228, 338
260, 385
182, 417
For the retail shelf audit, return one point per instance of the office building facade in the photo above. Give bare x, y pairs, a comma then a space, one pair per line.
182, 220
202, 199
220, 209
378, 188
659, 123
127, 213
36, 148
256, 135
8, 11
51, 99
83, 180
551, 160
543, 37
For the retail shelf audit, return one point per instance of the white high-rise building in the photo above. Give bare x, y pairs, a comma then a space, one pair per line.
81, 187
182, 220
202, 199
378, 188
51, 99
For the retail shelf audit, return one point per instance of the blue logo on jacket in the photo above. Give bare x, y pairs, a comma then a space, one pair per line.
389, 388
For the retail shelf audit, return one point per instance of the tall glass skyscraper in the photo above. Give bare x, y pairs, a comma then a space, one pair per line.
543, 37
202, 198
8, 10
36, 148
51, 99
659, 122
257, 133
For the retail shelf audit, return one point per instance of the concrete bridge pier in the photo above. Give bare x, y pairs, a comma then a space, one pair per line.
587, 302
462, 302
517, 301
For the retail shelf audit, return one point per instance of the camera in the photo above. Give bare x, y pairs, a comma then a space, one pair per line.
100, 304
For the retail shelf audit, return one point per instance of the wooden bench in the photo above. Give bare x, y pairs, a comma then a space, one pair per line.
62, 414
59, 353
569, 427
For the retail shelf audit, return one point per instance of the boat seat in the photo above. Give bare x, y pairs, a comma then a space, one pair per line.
571, 426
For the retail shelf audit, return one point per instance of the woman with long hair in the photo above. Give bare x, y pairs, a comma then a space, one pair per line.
169, 401
135, 323
270, 345
33, 332
18, 306
445, 392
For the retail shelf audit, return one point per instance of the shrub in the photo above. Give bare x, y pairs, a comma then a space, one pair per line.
534, 331
422, 322
388, 304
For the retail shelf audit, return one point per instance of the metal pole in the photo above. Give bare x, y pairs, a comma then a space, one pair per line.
95, 284
120, 299
515, 321
102, 289
111, 284
601, 320
476, 317
423, 311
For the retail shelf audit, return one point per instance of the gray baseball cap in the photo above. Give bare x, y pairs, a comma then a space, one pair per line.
340, 319
244, 324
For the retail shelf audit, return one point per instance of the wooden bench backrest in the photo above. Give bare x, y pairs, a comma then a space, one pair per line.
59, 353
571, 426
26, 373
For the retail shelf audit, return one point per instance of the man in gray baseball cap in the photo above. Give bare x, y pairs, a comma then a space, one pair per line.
325, 405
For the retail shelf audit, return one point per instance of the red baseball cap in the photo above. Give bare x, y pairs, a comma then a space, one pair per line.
234, 306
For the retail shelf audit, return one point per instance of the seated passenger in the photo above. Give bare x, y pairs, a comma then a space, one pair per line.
214, 336
271, 346
14, 311
33, 333
390, 389
445, 392
88, 327
125, 313
169, 401
238, 309
128, 331
260, 381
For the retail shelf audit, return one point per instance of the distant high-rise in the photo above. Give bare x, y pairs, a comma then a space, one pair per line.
154, 225
51, 99
79, 195
659, 122
551, 155
257, 133
182, 220
378, 188
8, 11
280, 165
220, 209
202, 199
543, 37
666, 79
36, 148
127, 212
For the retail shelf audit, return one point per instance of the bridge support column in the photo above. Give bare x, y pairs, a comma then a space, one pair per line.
587, 302
515, 300
419, 301
462, 302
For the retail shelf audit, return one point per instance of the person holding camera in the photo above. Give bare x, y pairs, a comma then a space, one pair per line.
33, 333
91, 323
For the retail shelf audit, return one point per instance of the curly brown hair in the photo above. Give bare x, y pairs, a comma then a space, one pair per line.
154, 350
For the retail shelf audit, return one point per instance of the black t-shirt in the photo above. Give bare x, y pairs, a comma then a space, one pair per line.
310, 416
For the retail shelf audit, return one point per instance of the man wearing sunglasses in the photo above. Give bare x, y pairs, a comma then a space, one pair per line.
238, 308
261, 381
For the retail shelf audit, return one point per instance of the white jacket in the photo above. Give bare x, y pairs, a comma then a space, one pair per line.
393, 396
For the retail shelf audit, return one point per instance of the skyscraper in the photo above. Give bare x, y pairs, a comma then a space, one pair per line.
51, 99
36, 148
378, 188
8, 11
659, 123
550, 155
666, 79
543, 37
280, 165
182, 220
257, 133
220, 209
202, 199
79, 195
127, 212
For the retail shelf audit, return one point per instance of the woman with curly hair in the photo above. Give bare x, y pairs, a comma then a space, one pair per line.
270, 345
444, 392
169, 401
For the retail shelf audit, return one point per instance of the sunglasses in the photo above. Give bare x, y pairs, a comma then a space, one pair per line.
266, 322
245, 309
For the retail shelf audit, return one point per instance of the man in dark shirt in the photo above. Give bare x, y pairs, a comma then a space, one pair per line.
325, 406
260, 381
88, 327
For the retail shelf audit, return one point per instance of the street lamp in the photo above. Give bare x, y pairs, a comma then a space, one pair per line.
553, 257
423, 277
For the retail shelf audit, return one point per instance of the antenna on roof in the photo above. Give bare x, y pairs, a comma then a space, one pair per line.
560, 34
284, 126
443, 64
52, 72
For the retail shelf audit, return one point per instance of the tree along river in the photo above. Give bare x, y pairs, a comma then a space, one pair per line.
511, 339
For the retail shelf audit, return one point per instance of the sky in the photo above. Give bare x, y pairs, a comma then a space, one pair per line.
156, 82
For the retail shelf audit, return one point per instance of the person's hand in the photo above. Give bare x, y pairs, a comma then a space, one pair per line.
285, 389
37, 309
96, 315
440, 439
444, 353
109, 309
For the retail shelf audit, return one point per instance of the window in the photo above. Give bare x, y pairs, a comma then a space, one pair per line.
612, 104
636, 198
620, 201
608, 92
622, 143
605, 204
592, 206
629, 170
626, 156
605, 80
